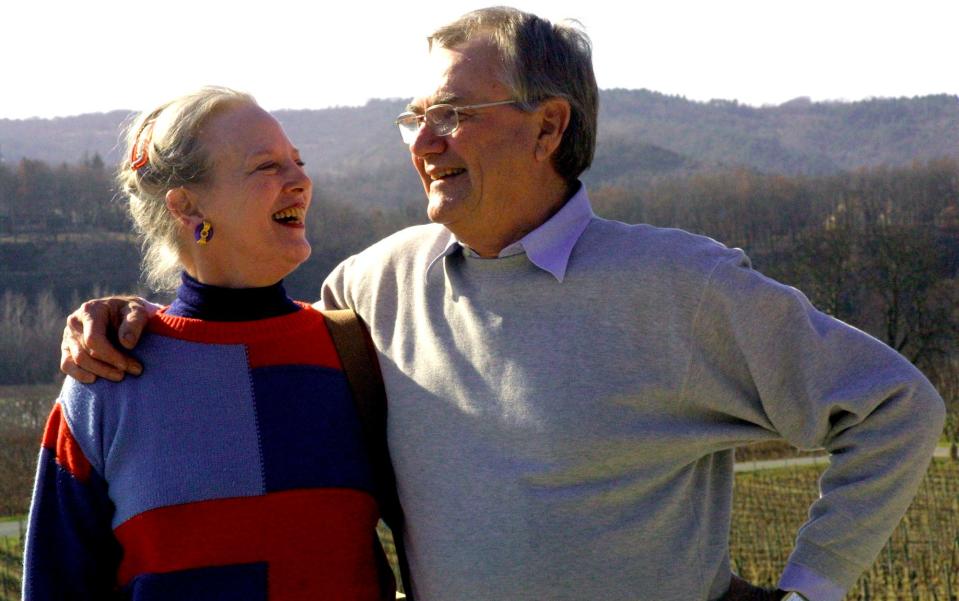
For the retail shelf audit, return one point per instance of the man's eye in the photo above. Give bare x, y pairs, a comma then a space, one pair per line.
267, 166
300, 162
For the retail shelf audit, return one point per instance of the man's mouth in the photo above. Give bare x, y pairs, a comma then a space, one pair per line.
290, 216
441, 174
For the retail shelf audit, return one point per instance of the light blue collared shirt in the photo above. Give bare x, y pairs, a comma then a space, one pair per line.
548, 246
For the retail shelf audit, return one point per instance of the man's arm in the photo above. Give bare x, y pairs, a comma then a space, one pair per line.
764, 357
89, 347
335, 291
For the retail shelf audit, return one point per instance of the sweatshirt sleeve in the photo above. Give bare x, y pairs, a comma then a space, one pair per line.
71, 552
334, 292
765, 358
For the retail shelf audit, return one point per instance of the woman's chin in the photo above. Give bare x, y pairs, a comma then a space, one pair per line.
304, 254
295, 258
255, 275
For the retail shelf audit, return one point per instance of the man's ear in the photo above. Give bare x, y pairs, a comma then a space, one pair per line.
554, 116
182, 205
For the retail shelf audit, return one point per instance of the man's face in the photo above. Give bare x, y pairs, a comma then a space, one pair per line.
475, 177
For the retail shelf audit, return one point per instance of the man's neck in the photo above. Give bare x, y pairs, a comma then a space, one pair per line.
489, 242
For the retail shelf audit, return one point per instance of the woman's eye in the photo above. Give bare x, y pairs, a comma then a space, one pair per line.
300, 162
267, 166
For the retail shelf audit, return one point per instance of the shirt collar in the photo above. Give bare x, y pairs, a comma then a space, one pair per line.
550, 245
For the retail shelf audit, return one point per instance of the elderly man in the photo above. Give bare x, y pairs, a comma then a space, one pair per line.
565, 391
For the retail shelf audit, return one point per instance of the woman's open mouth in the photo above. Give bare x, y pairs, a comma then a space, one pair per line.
290, 216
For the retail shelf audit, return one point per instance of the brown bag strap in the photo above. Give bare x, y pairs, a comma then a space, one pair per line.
358, 356
361, 367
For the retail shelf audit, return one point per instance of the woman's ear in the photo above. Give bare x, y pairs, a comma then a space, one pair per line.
554, 119
182, 205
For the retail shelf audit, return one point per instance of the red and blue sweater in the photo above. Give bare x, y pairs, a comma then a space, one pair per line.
233, 468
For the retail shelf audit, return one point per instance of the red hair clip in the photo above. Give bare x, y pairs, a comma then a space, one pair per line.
139, 154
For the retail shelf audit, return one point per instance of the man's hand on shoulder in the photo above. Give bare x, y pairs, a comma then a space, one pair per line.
741, 590
90, 339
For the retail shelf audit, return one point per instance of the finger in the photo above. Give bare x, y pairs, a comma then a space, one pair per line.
92, 320
70, 368
134, 318
97, 368
78, 364
87, 370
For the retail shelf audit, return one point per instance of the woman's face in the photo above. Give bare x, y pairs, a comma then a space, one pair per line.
255, 196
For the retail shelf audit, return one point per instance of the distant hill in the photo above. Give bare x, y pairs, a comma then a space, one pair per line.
797, 137
62, 139
356, 155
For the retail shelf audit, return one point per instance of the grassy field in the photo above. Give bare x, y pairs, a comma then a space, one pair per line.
10, 567
920, 562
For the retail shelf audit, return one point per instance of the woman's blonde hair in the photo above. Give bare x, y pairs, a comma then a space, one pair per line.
163, 150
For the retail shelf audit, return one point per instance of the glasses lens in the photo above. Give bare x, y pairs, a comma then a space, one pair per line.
408, 121
442, 119
409, 126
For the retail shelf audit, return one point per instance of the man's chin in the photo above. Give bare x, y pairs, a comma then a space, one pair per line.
441, 209
435, 216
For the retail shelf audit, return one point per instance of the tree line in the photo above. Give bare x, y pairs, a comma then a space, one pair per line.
876, 247
38, 198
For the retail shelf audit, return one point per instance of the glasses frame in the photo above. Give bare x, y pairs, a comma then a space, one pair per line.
409, 134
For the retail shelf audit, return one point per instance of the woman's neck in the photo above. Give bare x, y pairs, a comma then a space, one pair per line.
197, 300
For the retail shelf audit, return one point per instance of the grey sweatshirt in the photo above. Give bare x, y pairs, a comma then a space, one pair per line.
574, 439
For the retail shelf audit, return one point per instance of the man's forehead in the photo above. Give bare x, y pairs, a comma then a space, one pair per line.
438, 71
455, 75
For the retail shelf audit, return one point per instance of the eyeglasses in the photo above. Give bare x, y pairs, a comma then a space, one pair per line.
442, 119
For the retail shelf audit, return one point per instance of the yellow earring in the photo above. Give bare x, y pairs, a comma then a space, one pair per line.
203, 232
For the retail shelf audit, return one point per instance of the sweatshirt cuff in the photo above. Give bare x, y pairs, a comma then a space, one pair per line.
809, 584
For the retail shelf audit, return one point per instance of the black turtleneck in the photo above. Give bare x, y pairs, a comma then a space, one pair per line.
212, 303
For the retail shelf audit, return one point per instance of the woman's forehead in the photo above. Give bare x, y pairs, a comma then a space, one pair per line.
244, 131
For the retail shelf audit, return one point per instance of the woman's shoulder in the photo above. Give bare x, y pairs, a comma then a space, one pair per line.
79, 418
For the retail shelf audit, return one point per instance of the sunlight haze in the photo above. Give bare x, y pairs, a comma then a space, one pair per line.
66, 58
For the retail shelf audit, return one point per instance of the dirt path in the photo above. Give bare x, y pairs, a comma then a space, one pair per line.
773, 464
10, 528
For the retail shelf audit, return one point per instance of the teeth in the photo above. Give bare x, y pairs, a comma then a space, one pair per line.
441, 173
290, 215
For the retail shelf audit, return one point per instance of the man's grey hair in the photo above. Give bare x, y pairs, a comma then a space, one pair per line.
541, 60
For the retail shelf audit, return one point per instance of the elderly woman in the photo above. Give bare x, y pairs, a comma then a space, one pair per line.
233, 468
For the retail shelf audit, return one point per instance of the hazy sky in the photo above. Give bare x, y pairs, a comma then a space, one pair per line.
67, 57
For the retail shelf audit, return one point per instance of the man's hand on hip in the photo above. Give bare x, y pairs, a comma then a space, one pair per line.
89, 347
740, 590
